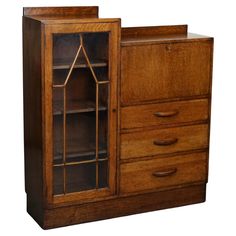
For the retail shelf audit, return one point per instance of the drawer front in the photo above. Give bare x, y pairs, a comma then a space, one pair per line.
169, 70
163, 141
163, 172
164, 113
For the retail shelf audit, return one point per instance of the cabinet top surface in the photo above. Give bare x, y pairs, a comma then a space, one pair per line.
157, 34
71, 19
66, 15
131, 40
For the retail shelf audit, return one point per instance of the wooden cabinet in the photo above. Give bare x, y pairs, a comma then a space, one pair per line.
116, 119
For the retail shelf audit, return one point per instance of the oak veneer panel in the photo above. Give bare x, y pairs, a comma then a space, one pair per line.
164, 113
139, 176
141, 143
33, 117
179, 70
124, 206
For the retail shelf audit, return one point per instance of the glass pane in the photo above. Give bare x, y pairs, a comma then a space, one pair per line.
80, 177
80, 138
103, 174
57, 139
57, 180
80, 112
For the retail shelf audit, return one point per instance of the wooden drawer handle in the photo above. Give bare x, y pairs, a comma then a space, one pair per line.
164, 173
166, 113
165, 142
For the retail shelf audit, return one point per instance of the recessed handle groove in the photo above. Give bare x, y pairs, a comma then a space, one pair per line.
166, 113
164, 173
165, 142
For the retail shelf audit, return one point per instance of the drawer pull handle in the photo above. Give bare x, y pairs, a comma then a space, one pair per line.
164, 173
166, 113
165, 142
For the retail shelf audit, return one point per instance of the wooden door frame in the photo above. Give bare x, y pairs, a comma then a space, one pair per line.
96, 25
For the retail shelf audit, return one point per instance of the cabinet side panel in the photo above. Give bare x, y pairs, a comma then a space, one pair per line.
210, 98
32, 116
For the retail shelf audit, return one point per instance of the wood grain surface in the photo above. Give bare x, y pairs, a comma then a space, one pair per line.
141, 143
143, 175
166, 113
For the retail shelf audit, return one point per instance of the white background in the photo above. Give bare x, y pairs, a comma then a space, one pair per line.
214, 18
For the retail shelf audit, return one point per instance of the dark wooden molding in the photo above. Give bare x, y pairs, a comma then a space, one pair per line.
91, 11
153, 30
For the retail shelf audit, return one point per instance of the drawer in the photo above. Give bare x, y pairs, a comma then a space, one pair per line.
163, 141
163, 172
163, 71
164, 113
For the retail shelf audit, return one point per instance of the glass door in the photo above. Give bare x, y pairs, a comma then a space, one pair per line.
83, 160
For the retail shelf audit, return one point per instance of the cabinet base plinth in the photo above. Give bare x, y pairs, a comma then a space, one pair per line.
122, 206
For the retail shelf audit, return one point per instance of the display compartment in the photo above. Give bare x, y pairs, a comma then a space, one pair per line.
80, 112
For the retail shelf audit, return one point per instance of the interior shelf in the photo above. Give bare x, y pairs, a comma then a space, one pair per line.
73, 155
66, 63
76, 106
